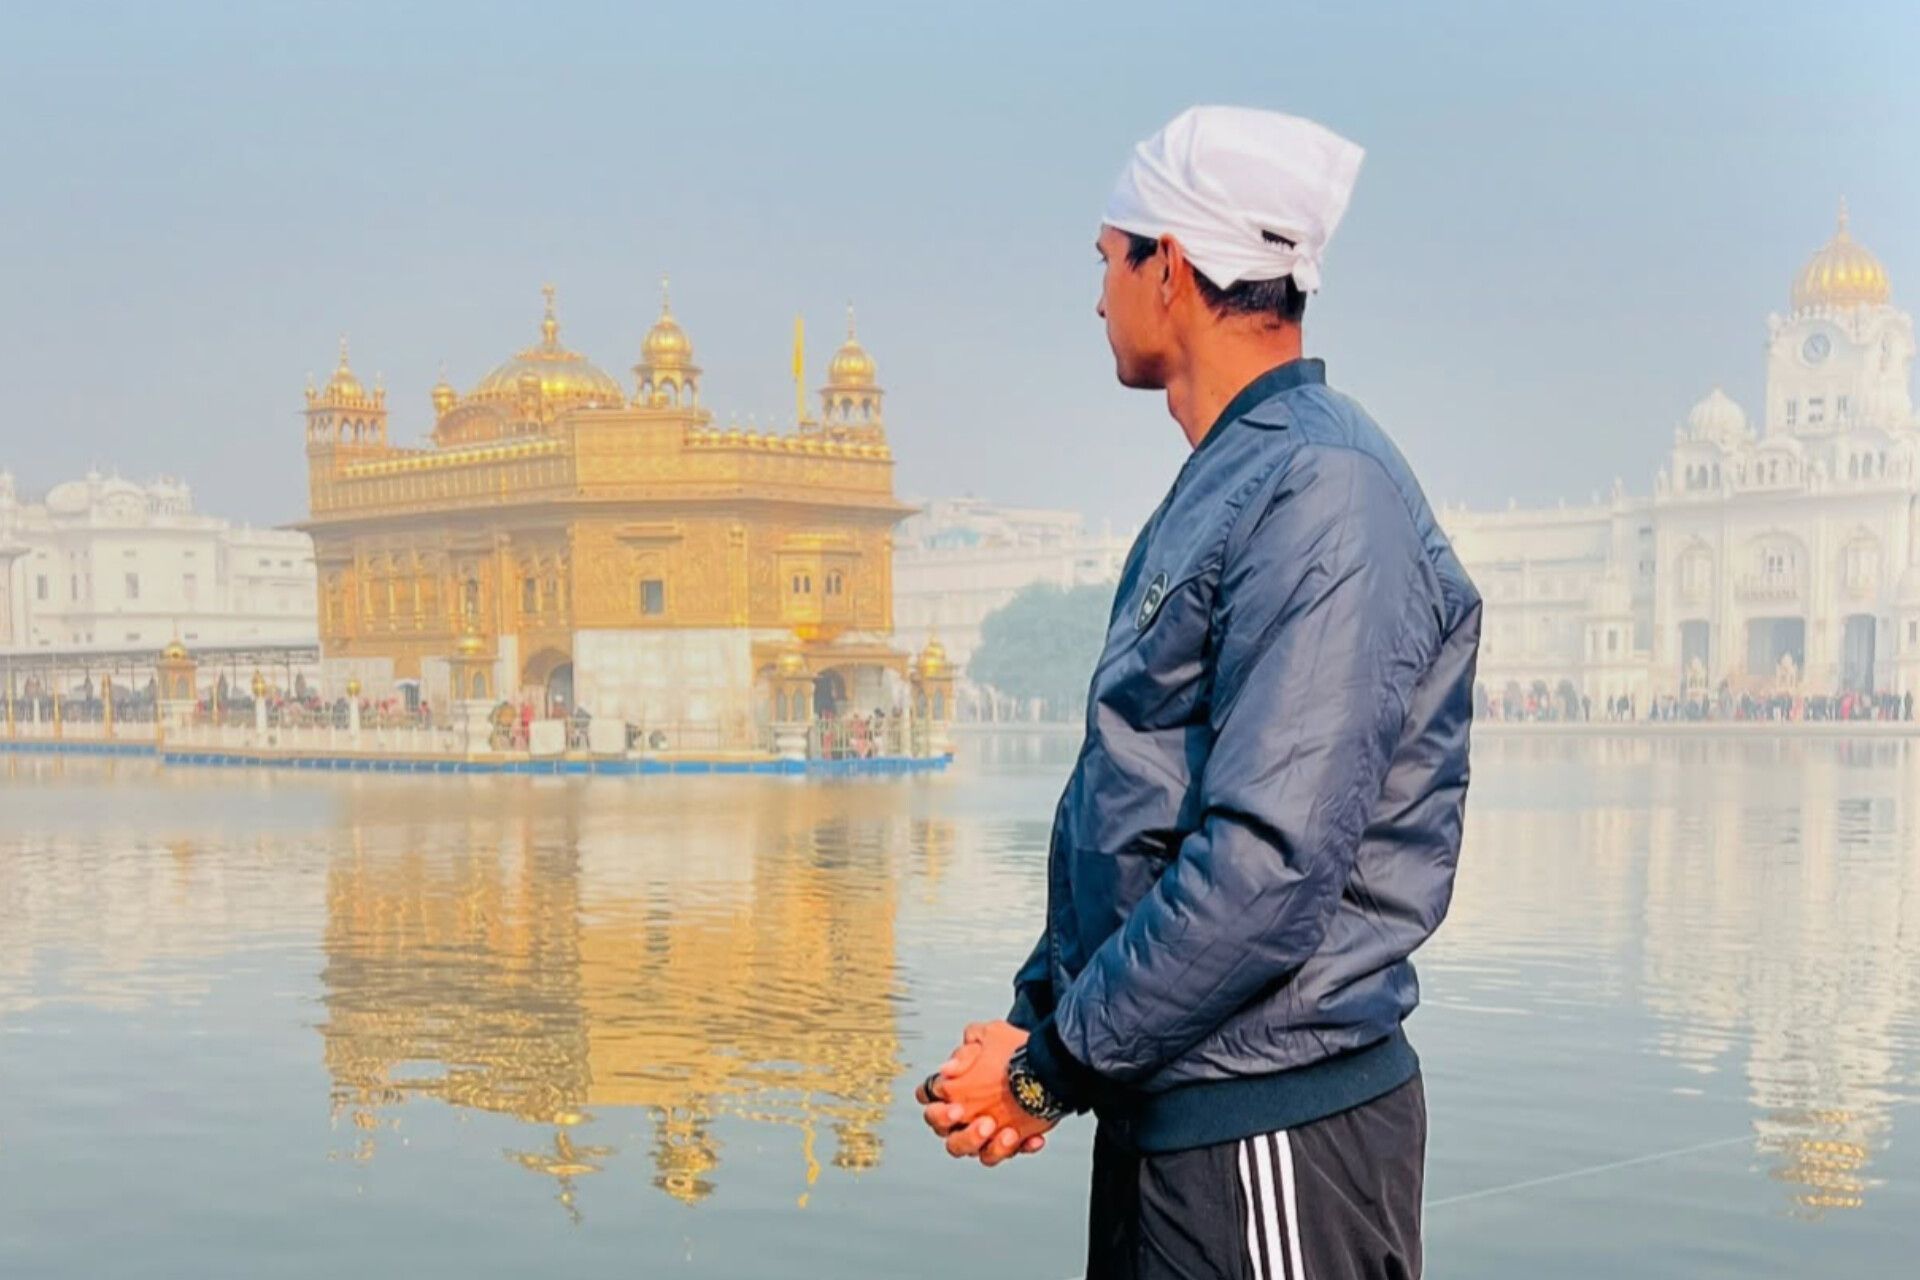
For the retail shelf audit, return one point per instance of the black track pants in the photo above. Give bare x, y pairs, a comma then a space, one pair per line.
1338, 1199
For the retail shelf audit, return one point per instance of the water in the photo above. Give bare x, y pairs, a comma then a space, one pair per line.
271, 1023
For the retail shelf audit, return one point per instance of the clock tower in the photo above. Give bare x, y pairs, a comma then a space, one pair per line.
1841, 360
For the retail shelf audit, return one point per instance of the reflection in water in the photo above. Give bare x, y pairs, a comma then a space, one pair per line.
1770, 888
655, 977
552, 965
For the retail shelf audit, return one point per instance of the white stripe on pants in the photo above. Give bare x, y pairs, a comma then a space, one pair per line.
1273, 1226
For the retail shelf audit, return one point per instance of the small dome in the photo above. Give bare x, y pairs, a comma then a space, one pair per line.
470, 644
444, 397
174, 652
666, 345
933, 658
344, 385
791, 663
565, 379
1842, 274
851, 366
1717, 417
70, 498
344, 389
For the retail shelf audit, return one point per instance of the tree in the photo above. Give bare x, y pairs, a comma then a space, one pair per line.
1043, 644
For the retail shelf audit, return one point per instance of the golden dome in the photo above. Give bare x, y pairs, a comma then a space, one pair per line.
666, 345
851, 366
1842, 274
791, 663
566, 379
344, 387
444, 397
343, 383
933, 658
174, 652
470, 644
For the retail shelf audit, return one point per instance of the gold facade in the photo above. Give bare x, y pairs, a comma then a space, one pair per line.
549, 501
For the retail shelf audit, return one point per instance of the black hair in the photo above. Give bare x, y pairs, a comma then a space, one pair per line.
1281, 299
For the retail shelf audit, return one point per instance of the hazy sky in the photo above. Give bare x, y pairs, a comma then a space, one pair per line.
1573, 219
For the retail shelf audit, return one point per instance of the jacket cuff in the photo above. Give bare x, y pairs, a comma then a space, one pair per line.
1073, 1084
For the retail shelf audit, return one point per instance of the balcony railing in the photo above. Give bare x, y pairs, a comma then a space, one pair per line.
1768, 586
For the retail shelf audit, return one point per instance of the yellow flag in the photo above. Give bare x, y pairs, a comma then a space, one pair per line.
799, 369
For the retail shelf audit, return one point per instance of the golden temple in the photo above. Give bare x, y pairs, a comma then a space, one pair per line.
616, 552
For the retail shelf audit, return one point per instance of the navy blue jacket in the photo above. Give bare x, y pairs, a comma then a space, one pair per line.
1265, 816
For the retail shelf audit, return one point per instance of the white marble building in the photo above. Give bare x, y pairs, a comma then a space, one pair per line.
959, 559
1778, 552
105, 565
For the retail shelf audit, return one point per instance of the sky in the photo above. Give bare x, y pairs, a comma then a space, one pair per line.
1572, 222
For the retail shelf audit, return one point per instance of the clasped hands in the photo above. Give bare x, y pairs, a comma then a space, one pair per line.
970, 1104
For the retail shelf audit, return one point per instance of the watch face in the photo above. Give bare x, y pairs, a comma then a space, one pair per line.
1817, 348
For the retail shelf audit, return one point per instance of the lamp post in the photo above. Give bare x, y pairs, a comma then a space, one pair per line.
353, 709
259, 704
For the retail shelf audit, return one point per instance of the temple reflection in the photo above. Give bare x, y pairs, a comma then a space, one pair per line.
1757, 890
560, 964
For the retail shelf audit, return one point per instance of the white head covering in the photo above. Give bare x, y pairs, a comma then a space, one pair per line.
1216, 178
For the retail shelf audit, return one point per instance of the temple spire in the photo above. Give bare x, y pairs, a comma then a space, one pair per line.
550, 326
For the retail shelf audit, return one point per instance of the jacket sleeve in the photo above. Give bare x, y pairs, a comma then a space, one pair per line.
1326, 618
1032, 989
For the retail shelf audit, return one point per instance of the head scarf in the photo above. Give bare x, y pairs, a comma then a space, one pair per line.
1217, 178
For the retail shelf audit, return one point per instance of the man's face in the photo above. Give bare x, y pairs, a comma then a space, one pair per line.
1133, 303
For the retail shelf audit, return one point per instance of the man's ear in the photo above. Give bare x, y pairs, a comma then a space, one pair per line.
1172, 259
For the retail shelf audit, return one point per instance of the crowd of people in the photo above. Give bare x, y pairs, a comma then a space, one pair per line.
1724, 704
858, 736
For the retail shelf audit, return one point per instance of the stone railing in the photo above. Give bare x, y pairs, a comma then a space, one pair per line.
128, 731
318, 740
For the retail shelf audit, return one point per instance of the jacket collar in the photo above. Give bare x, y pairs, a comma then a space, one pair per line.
1280, 378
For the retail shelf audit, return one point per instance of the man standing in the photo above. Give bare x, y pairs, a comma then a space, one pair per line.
1265, 817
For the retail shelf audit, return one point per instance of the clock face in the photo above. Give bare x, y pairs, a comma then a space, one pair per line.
1817, 348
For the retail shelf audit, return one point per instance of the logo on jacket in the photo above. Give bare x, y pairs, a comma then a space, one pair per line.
1150, 603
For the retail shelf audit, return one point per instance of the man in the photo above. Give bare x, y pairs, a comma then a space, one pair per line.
1265, 817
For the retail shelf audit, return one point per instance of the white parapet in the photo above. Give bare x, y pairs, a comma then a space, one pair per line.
547, 738
607, 737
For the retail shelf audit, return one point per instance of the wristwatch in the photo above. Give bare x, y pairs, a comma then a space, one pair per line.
1034, 1097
